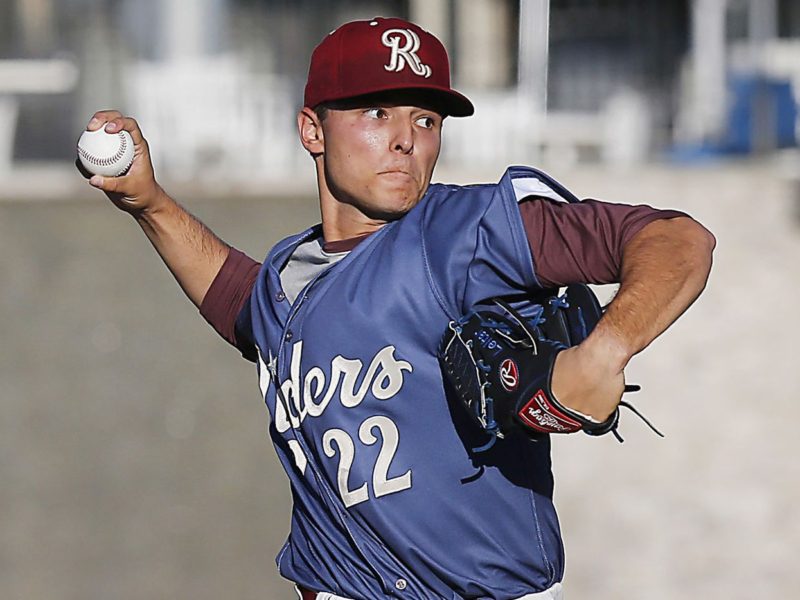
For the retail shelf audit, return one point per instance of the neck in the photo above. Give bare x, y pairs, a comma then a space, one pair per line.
341, 222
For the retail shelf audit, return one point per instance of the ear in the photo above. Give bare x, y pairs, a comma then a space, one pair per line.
310, 129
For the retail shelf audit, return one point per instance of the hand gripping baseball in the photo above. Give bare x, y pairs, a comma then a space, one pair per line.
137, 190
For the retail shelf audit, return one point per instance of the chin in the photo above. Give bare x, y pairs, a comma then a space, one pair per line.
388, 213
401, 204
389, 209
394, 201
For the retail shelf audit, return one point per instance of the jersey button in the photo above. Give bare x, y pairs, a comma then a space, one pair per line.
288, 336
280, 296
401, 584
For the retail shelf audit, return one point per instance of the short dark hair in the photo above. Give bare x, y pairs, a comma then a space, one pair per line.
321, 110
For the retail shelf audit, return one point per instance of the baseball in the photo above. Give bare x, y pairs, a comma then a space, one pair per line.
107, 154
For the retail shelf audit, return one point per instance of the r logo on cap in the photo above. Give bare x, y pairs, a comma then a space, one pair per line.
361, 58
405, 54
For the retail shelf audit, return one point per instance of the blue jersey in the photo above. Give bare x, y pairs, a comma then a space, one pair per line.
389, 499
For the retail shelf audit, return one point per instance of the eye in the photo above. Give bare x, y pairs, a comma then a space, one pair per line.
375, 113
426, 122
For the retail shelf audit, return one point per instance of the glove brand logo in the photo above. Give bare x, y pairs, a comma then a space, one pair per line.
541, 415
545, 420
405, 54
309, 395
509, 375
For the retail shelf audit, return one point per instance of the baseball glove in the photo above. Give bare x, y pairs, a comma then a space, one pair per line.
499, 363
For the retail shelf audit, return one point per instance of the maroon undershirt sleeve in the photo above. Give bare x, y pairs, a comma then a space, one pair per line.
582, 242
228, 294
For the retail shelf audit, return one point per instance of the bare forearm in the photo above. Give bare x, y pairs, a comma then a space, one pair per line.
191, 251
664, 269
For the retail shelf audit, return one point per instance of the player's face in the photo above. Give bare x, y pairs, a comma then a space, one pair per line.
379, 158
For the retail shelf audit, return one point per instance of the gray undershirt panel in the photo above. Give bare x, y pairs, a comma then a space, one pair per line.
305, 263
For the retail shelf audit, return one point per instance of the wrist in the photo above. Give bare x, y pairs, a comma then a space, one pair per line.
159, 203
607, 348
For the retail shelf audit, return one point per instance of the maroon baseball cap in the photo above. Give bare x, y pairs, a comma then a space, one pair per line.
379, 55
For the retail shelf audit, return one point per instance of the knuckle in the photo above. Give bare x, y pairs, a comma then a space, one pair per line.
106, 114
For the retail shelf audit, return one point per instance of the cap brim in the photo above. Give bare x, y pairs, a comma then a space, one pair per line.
454, 103
448, 102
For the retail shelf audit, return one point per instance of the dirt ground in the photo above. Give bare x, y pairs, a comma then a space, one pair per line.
133, 453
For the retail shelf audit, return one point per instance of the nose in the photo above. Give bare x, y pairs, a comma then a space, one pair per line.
403, 138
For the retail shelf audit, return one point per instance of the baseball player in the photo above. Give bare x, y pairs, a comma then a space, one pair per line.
343, 321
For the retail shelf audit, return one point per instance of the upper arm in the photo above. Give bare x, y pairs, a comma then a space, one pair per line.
582, 242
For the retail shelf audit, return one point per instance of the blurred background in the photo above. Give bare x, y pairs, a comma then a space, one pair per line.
134, 461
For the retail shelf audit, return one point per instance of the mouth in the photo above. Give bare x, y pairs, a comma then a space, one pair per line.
399, 173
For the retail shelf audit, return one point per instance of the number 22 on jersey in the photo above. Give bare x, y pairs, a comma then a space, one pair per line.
338, 444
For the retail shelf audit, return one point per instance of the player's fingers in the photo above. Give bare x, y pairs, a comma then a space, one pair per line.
101, 117
107, 184
128, 124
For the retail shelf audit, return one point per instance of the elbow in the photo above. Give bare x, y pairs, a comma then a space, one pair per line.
701, 239
691, 235
680, 240
706, 239
711, 241
698, 245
